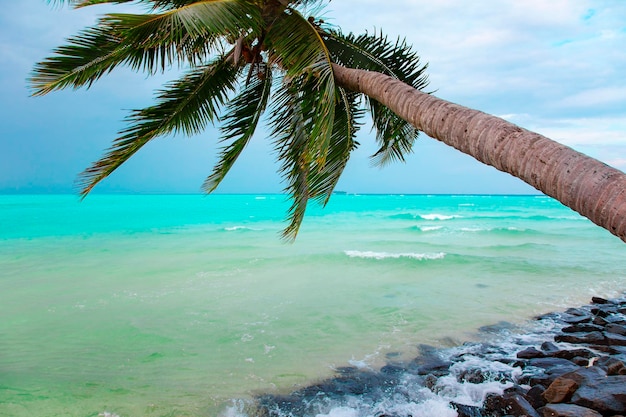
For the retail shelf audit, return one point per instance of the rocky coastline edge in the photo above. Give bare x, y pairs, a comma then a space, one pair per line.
575, 368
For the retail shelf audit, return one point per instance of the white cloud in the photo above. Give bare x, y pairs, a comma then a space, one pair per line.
602, 96
555, 67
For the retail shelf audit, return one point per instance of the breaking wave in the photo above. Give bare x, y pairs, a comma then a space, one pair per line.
388, 255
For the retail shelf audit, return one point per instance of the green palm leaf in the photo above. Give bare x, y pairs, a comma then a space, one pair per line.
294, 43
240, 122
346, 124
292, 144
314, 121
144, 42
376, 53
155, 4
186, 106
308, 177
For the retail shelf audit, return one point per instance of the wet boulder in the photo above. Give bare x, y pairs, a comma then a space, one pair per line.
581, 338
568, 410
560, 390
607, 396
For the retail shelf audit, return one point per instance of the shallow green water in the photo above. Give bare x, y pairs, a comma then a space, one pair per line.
175, 305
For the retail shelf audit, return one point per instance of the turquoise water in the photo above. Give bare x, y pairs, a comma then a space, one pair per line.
179, 305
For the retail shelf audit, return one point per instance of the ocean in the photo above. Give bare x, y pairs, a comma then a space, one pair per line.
191, 305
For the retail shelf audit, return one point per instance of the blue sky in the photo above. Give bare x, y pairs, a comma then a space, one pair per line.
555, 67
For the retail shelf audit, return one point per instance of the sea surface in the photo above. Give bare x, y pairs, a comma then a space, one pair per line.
190, 305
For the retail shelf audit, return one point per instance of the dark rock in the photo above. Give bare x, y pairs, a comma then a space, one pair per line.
430, 381
576, 319
554, 366
549, 348
535, 396
429, 362
515, 389
517, 405
467, 410
390, 369
607, 396
549, 316
542, 380
494, 404
611, 350
560, 390
614, 339
581, 338
615, 328
572, 353
574, 311
473, 376
611, 365
599, 321
587, 375
440, 368
603, 311
530, 353
580, 361
600, 300
583, 327
509, 403
496, 328
567, 410
616, 319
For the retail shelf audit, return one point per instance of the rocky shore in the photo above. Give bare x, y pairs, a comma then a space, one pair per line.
583, 376
576, 368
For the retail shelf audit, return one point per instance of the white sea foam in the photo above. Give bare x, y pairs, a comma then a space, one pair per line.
473, 229
436, 216
388, 255
235, 228
430, 228
341, 412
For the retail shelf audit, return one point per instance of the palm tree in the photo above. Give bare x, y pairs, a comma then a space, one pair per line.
248, 56
586, 185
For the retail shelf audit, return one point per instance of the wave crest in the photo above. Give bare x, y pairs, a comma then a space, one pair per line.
388, 255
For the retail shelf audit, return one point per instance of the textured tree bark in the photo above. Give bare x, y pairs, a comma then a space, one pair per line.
588, 186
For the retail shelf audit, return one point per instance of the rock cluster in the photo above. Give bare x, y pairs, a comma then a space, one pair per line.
576, 369
584, 376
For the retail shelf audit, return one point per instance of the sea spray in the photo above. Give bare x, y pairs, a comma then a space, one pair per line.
435, 383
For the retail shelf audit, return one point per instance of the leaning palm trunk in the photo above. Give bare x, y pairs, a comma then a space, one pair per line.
588, 186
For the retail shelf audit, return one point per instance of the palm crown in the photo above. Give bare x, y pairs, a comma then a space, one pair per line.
242, 57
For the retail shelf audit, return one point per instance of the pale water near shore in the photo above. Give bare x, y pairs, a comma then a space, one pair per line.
176, 305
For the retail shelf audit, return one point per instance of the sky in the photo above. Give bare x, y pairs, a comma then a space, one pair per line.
555, 67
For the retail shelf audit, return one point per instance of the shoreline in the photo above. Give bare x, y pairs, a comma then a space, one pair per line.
569, 363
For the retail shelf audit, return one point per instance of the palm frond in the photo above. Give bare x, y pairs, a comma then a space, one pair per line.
376, 53
242, 117
292, 144
296, 46
154, 4
77, 4
144, 42
345, 127
307, 175
394, 136
186, 105
91, 54
198, 18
